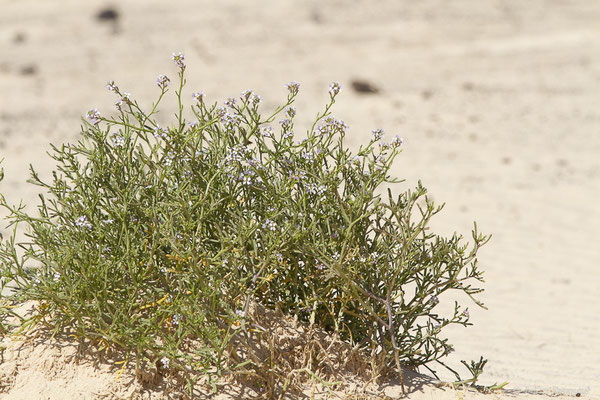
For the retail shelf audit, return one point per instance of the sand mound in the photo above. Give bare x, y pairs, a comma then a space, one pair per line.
283, 351
40, 366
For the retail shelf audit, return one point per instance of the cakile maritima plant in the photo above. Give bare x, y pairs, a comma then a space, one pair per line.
152, 238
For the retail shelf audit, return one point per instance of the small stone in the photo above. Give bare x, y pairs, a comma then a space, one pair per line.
107, 14
363, 86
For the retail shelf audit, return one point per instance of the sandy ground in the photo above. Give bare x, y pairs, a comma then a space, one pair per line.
497, 101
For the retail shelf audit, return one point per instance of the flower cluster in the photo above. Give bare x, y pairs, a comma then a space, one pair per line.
230, 102
83, 223
293, 87
397, 141
112, 87
161, 133
198, 96
266, 131
332, 126
162, 81
334, 89
118, 140
269, 225
94, 116
315, 189
377, 134
178, 59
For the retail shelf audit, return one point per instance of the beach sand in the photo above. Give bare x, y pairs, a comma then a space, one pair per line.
497, 102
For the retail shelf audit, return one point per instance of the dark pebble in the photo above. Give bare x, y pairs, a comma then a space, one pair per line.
19, 37
28, 69
362, 86
108, 14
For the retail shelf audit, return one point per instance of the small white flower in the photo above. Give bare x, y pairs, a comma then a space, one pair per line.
118, 140
82, 222
111, 86
176, 318
334, 88
266, 131
162, 81
165, 362
178, 59
378, 134
94, 116
293, 87
269, 225
198, 96
397, 141
160, 132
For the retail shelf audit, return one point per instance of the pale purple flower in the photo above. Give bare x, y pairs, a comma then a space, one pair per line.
270, 225
118, 140
82, 222
313, 188
176, 319
178, 59
377, 134
94, 116
230, 102
291, 112
255, 99
334, 89
298, 176
308, 155
397, 141
293, 87
126, 98
198, 96
160, 132
162, 81
169, 159
111, 86
165, 362
288, 134
332, 126
285, 124
246, 94
221, 112
266, 131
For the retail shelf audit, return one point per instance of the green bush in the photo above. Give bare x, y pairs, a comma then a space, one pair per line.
149, 238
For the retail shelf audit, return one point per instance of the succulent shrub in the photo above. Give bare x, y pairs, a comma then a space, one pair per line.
149, 238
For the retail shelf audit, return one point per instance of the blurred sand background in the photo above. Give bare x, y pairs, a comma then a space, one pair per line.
498, 103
